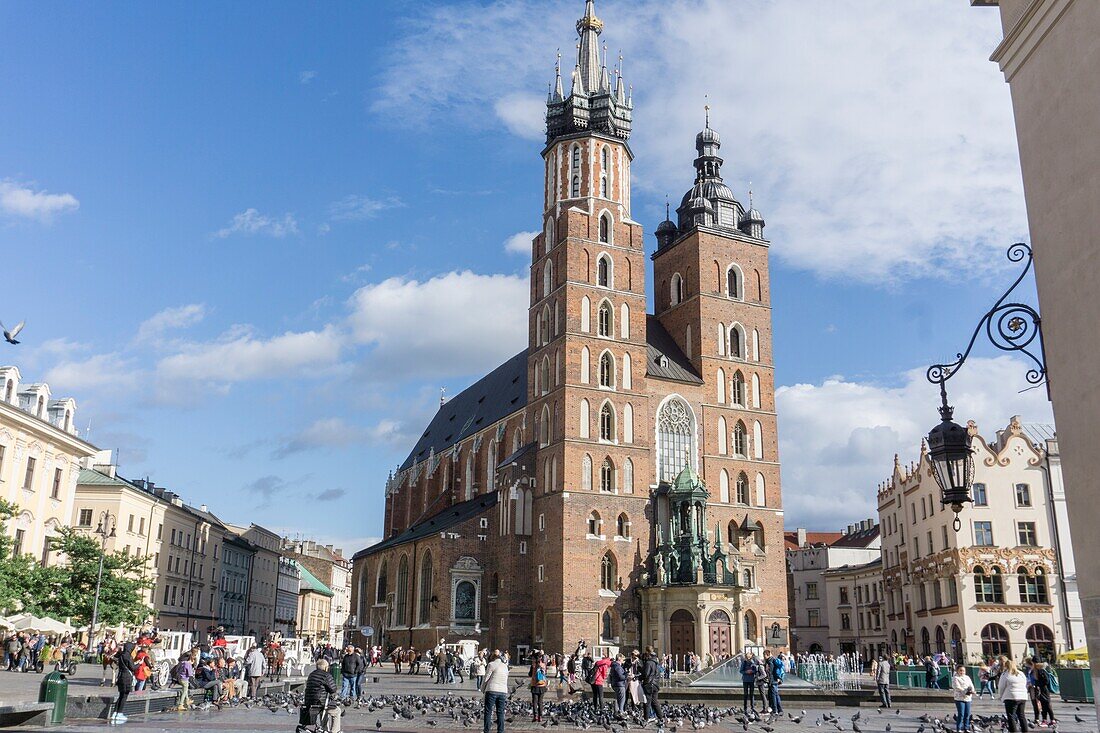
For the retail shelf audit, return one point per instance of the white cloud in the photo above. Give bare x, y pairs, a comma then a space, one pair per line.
456, 324
523, 114
170, 319
239, 355
251, 221
519, 243
305, 77
98, 372
838, 438
878, 149
20, 200
332, 432
357, 208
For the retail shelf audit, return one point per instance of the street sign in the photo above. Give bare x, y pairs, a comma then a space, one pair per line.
367, 631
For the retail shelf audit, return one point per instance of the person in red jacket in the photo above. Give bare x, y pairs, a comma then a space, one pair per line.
603, 667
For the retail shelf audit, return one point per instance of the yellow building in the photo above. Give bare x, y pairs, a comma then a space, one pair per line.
314, 607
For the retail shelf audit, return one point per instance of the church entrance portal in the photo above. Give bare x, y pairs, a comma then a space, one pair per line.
718, 624
681, 635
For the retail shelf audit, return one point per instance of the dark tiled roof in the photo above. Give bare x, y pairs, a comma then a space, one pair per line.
862, 538
818, 539
493, 397
675, 365
441, 521
523, 451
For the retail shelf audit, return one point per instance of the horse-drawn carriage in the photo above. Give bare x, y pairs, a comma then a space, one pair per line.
287, 656
166, 651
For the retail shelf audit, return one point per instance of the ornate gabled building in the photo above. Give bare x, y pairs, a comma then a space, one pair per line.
618, 479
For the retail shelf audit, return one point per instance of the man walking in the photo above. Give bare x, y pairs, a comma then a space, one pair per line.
496, 691
651, 684
775, 670
254, 670
882, 681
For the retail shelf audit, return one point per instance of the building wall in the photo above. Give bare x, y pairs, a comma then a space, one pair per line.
314, 615
286, 597
236, 579
856, 612
265, 578
190, 566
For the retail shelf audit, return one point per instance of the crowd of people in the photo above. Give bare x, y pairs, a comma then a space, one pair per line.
31, 651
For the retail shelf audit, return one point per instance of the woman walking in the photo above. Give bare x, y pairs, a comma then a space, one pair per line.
1043, 691
124, 682
537, 675
983, 677
962, 688
1012, 690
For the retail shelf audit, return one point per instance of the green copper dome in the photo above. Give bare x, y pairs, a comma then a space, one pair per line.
687, 481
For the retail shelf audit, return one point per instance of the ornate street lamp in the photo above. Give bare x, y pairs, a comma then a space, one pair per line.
106, 531
1009, 327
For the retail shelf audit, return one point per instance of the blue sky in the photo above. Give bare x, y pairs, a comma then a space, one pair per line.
253, 241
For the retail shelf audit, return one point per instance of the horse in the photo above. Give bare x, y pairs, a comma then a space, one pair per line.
275, 659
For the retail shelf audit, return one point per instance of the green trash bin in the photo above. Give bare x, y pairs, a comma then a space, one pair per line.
337, 673
55, 689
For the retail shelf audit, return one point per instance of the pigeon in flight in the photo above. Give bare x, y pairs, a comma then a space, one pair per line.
9, 336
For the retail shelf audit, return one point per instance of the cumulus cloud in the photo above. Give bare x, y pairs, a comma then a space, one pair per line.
456, 324
241, 355
837, 439
331, 432
523, 114
170, 319
357, 208
99, 372
251, 222
519, 243
22, 201
878, 150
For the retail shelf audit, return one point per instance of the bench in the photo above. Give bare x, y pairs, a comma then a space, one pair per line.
27, 714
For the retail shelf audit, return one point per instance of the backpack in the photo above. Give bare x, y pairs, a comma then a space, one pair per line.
174, 673
778, 672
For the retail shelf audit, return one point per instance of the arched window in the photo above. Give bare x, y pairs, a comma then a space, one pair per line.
622, 526
761, 492
628, 379
548, 234
733, 282
586, 313
988, 587
586, 474
740, 440
720, 384
721, 339
607, 370
605, 160
628, 423
675, 438
603, 266
925, 643
1040, 641
750, 619
755, 345
755, 391
607, 476
546, 477
607, 627
603, 186
575, 190
605, 225
491, 469
687, 341
724, 487
425, 604
624, 321
576, 152
731, 532
608, 571
737, 342
607, 422
628, 476
956, 642
583, 419
595, 523
494, 584
545, 427
722, 436
468, 487
941, 640
586, 368
545, 376
465, 601
401, 617
677, 292
1033, 588
604, 323
747, 579
547, 278
737, 395
759, 286
742, 488
995, 641
757, 440
380, 588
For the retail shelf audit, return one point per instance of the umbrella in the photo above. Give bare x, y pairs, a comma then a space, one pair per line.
1080, 654
27, 622
52, 626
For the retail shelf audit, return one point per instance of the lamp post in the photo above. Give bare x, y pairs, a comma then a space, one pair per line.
1009, 327
106, 531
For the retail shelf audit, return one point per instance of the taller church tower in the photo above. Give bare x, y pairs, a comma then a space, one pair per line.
587, 355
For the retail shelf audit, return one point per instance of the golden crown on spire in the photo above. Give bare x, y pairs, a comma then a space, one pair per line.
589, 21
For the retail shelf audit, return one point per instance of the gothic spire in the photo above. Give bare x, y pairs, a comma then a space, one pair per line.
559, 93
588, 55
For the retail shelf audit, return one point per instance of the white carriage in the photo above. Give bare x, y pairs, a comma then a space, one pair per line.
296, 655
170, 646
238, 646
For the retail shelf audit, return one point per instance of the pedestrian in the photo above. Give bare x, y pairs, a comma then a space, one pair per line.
183, 673
651, 685
110, 649
396, 656
882, 681
537, 676
617, 677
748, 683
320, 687
477, 669
361, 678
773, 667
142, 669
929, 672
496, 691
1012, 691
1043, 688
599, 679
124, 682
962, 688
983, 678
349, 673
254, 663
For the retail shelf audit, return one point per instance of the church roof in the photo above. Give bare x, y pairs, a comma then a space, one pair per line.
449, 517
488, 400
674, 365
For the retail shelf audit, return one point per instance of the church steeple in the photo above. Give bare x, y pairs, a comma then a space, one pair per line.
594, 102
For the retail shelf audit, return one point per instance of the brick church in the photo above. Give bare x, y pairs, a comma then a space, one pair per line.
617, 480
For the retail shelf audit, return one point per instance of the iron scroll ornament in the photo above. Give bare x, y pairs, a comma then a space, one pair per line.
1009, 327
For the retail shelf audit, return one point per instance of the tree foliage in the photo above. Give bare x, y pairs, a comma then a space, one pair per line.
20, 575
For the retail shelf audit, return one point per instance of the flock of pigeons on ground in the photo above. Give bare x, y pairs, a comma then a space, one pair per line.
452, 711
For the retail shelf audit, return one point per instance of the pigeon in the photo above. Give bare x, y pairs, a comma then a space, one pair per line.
9, 336
378, 723
888, 728
1078, 718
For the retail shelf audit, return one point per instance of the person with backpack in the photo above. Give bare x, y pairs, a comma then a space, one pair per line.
651, 685
748, 683
599, 679
618, 678
775, 670
1043, 687
537, 675
588, 670
124, 681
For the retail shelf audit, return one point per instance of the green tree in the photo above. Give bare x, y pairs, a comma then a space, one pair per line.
21, 578
69, 590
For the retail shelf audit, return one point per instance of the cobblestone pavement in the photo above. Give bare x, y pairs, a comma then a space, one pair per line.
464, 698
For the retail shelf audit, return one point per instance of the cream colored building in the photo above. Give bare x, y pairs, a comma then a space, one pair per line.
331, 568
314, 608
40, 458
991, 587
1049, 58
260, 616
857, 616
